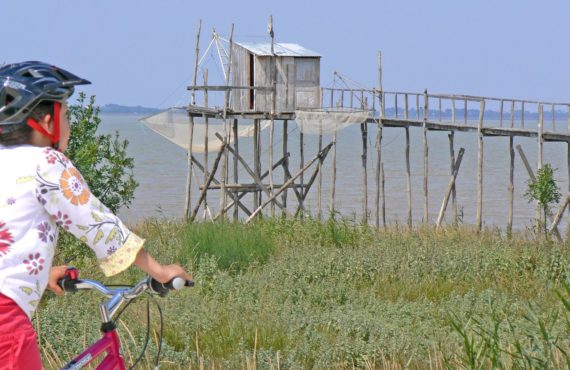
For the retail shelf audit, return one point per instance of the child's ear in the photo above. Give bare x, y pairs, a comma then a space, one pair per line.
47, 122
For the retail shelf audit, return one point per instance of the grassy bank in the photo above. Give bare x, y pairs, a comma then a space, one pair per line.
333, 294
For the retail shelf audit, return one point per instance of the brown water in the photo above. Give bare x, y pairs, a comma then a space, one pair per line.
161, 167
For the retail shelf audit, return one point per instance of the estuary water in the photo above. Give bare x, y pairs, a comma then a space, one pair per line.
161, 170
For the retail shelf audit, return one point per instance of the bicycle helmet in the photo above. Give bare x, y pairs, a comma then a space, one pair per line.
23, 86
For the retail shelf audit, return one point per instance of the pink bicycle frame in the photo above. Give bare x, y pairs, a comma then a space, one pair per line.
108, 344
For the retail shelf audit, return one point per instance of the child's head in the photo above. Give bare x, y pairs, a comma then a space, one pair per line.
33, 104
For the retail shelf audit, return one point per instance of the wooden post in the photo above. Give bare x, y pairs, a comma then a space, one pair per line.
453, 110
256, 169
396, 104
191, 118
333, 179
512, 113
273, 111
451, 137
197, 55
540, 142
501, 114
207, 182
426, 151
522, 114
190, 171
223, 177
558, 216
439, 100
379, 147
465, 112
553, 118
408, 177
206, 128
406, 114
236, 176
383, 179
568, 165
320, 181
418, 107
511, 186
301, 164
479, 220
364, 157
285, 163
378, 175
450, 187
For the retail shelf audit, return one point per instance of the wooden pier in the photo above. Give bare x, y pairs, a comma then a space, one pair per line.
479, 115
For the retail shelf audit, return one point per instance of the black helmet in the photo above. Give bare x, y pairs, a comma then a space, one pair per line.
24, 85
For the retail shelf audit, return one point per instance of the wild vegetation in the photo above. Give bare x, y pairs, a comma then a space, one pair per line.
295, 294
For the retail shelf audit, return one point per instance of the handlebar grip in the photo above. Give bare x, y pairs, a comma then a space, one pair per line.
175, 284
67, 283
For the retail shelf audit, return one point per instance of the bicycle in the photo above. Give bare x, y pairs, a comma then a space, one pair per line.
109, 345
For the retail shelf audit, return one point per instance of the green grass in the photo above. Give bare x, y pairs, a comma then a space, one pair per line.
336, 294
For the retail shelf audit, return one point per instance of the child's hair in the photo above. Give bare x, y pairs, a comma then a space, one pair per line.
23, 133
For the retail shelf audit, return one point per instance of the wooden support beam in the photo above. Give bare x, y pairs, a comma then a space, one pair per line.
511, 187
206, 129
264, 175
533, 179
559, 214
208, 181
285, 163
449, 188
323, 153
364, 157
540, 142
215, 181
426, 153
333, 176
479, 220
254, 175
190, 171
451, 137
235, 169
383, 187
408, 178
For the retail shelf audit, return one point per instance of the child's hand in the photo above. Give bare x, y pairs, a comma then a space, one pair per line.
56, 273
169, 272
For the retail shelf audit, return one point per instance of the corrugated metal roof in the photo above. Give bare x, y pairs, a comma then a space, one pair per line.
281, 49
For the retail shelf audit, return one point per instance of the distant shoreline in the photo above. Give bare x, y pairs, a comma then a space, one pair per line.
124, 109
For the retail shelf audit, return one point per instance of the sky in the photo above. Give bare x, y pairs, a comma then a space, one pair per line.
141, 52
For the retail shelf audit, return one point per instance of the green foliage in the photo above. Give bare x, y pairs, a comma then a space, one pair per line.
101, 159
544, 190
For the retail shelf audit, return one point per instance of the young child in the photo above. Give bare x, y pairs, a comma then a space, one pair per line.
41, 192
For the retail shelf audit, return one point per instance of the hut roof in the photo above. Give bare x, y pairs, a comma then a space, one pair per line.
281, 49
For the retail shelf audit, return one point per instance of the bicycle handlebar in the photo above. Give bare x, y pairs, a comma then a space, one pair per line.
72, 283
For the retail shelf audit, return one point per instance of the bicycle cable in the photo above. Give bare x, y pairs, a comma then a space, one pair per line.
147, 335
161, 334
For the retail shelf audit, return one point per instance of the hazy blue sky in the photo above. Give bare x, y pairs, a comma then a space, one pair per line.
142, 52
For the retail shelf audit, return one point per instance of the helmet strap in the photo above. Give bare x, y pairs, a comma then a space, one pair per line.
54, 135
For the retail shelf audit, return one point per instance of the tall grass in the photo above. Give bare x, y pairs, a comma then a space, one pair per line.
297, 294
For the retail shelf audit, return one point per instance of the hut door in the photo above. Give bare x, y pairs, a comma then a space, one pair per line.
251, 82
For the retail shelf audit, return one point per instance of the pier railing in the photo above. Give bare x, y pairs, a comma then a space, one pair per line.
457, 110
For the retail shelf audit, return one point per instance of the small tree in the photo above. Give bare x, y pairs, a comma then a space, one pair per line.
101, 159
544, 190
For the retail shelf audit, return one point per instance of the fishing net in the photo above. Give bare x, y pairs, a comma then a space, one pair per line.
325, 122
174, 125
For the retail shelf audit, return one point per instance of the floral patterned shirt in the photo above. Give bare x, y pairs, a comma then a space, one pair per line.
41, 192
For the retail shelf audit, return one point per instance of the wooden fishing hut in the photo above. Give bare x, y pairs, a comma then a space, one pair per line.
264, 82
